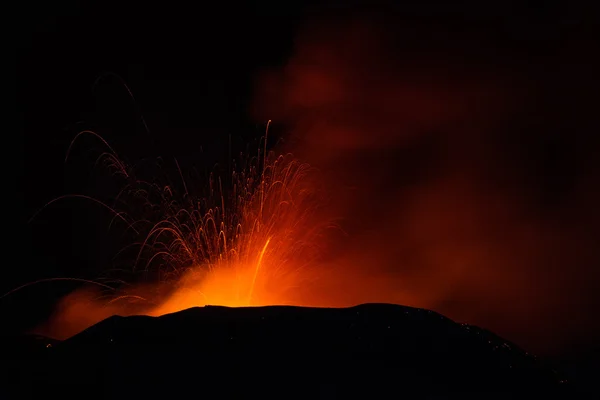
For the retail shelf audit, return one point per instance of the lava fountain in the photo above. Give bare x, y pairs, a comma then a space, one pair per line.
250, 239
253, 249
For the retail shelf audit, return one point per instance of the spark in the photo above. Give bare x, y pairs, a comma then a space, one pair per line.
79, 280
260, 257
247, 240
129, 93
116, 213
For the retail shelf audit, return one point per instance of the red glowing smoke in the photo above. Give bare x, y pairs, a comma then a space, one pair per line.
463, 184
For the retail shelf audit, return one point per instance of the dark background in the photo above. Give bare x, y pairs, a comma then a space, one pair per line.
192, 69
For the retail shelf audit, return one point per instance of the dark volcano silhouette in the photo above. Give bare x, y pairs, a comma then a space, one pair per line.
369, 351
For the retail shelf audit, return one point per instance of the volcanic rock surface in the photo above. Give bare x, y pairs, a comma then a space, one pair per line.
371, 351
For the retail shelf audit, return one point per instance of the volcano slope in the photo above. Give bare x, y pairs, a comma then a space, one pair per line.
370, 351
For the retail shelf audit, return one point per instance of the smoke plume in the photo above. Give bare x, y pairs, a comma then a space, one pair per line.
462, 170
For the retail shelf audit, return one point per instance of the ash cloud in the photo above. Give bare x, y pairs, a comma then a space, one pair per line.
461, 164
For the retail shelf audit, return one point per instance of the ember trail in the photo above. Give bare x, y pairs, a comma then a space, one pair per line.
252, 239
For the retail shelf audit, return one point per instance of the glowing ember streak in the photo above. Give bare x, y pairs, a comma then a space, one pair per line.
260, 257
251, 239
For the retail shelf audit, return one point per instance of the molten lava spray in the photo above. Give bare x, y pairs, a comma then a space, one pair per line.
251, 239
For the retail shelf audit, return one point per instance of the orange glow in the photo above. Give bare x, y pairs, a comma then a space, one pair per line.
251, 241
424, 162
252, 251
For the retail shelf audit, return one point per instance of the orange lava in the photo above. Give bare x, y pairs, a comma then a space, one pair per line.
232, 286
253, 241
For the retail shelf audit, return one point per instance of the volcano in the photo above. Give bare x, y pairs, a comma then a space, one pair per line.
368, 351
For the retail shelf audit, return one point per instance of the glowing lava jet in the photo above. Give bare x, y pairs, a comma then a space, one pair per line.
252, 250
253, 238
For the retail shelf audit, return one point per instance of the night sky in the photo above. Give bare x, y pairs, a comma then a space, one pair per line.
489, 108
